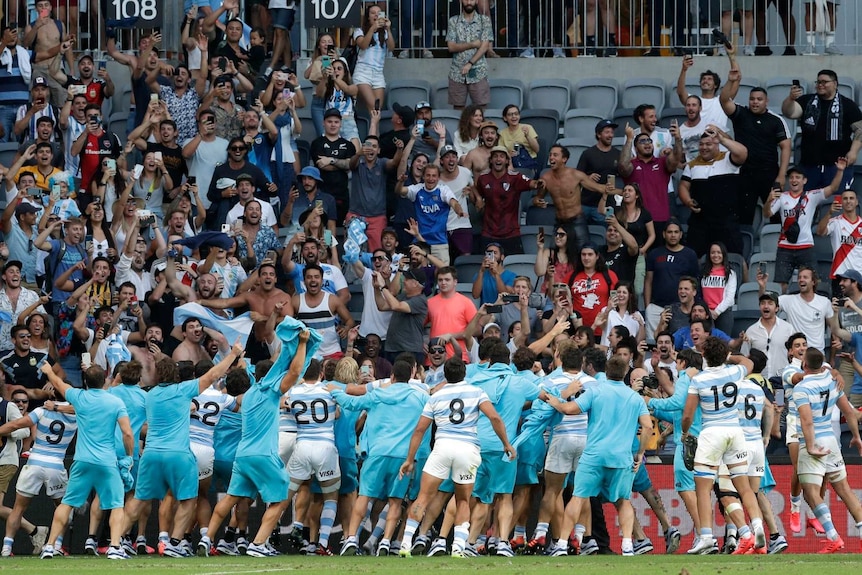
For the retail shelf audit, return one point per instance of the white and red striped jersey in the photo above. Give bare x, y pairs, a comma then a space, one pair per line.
846, 238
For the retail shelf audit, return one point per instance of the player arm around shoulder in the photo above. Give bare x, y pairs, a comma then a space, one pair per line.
487, 408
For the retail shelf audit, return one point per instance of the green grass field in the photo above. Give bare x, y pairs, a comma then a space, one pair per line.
646, 564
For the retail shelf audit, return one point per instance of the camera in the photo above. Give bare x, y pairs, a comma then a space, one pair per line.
650, 381
511, 297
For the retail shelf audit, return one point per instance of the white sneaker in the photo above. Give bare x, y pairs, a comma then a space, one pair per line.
437, 548
702, 546
558, 53
117, 553
527, 53
759, 538
504, 549
748, 51
91, 547
47, 552
176, 551
259, 551
427, 54
404, 54
204, 546
225, 548
558, 551
833, 51
810, 50
7, 551
39, 539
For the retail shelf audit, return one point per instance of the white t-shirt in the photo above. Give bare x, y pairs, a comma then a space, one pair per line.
712, 112
373, 320
267, 215
785, 206
808, 317
204, 162
461, 181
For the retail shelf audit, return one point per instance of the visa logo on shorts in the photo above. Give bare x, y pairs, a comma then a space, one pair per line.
329, 473
741, 455
465, 476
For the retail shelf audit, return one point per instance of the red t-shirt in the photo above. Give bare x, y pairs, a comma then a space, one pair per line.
590, 294
502, 203
98, 146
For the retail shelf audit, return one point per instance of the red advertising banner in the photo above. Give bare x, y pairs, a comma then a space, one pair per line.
806, 541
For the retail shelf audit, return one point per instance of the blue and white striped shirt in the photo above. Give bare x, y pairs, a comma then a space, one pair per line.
314, 409
455, 411
572, 425
208, 407
750, 404
54, 433
286, 421
820, 392
718, 389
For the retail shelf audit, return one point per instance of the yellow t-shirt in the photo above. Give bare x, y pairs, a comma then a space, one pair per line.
509, 138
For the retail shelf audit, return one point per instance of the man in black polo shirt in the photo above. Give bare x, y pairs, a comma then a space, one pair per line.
760, 131
621, 252
21, 367
331, 154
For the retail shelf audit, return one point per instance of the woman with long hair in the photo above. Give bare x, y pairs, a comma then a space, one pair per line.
555, 264
313, 222
374, 41
718, 287
637, 220
325, 46
467, 135
339, 92
40, 336
591, 284
108, 182
521, 140
151, 185
621, 311
99, 240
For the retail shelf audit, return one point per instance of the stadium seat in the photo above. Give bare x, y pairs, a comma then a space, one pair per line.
576, 147
450, 119
468, 267
596, 93
522, 265
769, 235
637, 91
748, 297
747, 243
823, 248
743, 319
581, 123
440, 96
385, 122
407, 92
597, 234
308, 132
362, 124
357, 298
8, 150
505, 91
304, 152
117, 124
669, 114
767, 259
541, 216
692, 88
623, 116
550, 94
546, 122
779, 87
847, 88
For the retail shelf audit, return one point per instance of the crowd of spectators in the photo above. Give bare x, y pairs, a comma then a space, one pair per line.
207, 218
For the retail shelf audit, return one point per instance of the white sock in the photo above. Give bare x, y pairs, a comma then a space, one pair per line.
830, 39
810, 38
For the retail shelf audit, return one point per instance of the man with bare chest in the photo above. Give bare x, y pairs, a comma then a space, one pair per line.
478, 160
51, 44
564, 184
262, 302
191, 348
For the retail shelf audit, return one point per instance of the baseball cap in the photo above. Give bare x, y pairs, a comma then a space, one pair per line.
489, 326
500, 149
13, 264
488, 124
605, 124
406, 113
852, 275
414, 275
245, 178
448, 150
311, 172
224, 183
422, 104
86, 55
771, 295
796, 169
40, 81
26, 208
331, 112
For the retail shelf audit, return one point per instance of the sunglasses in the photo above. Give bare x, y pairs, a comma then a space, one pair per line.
237, 148
380, 258
20, 401
561, 234
437, 350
